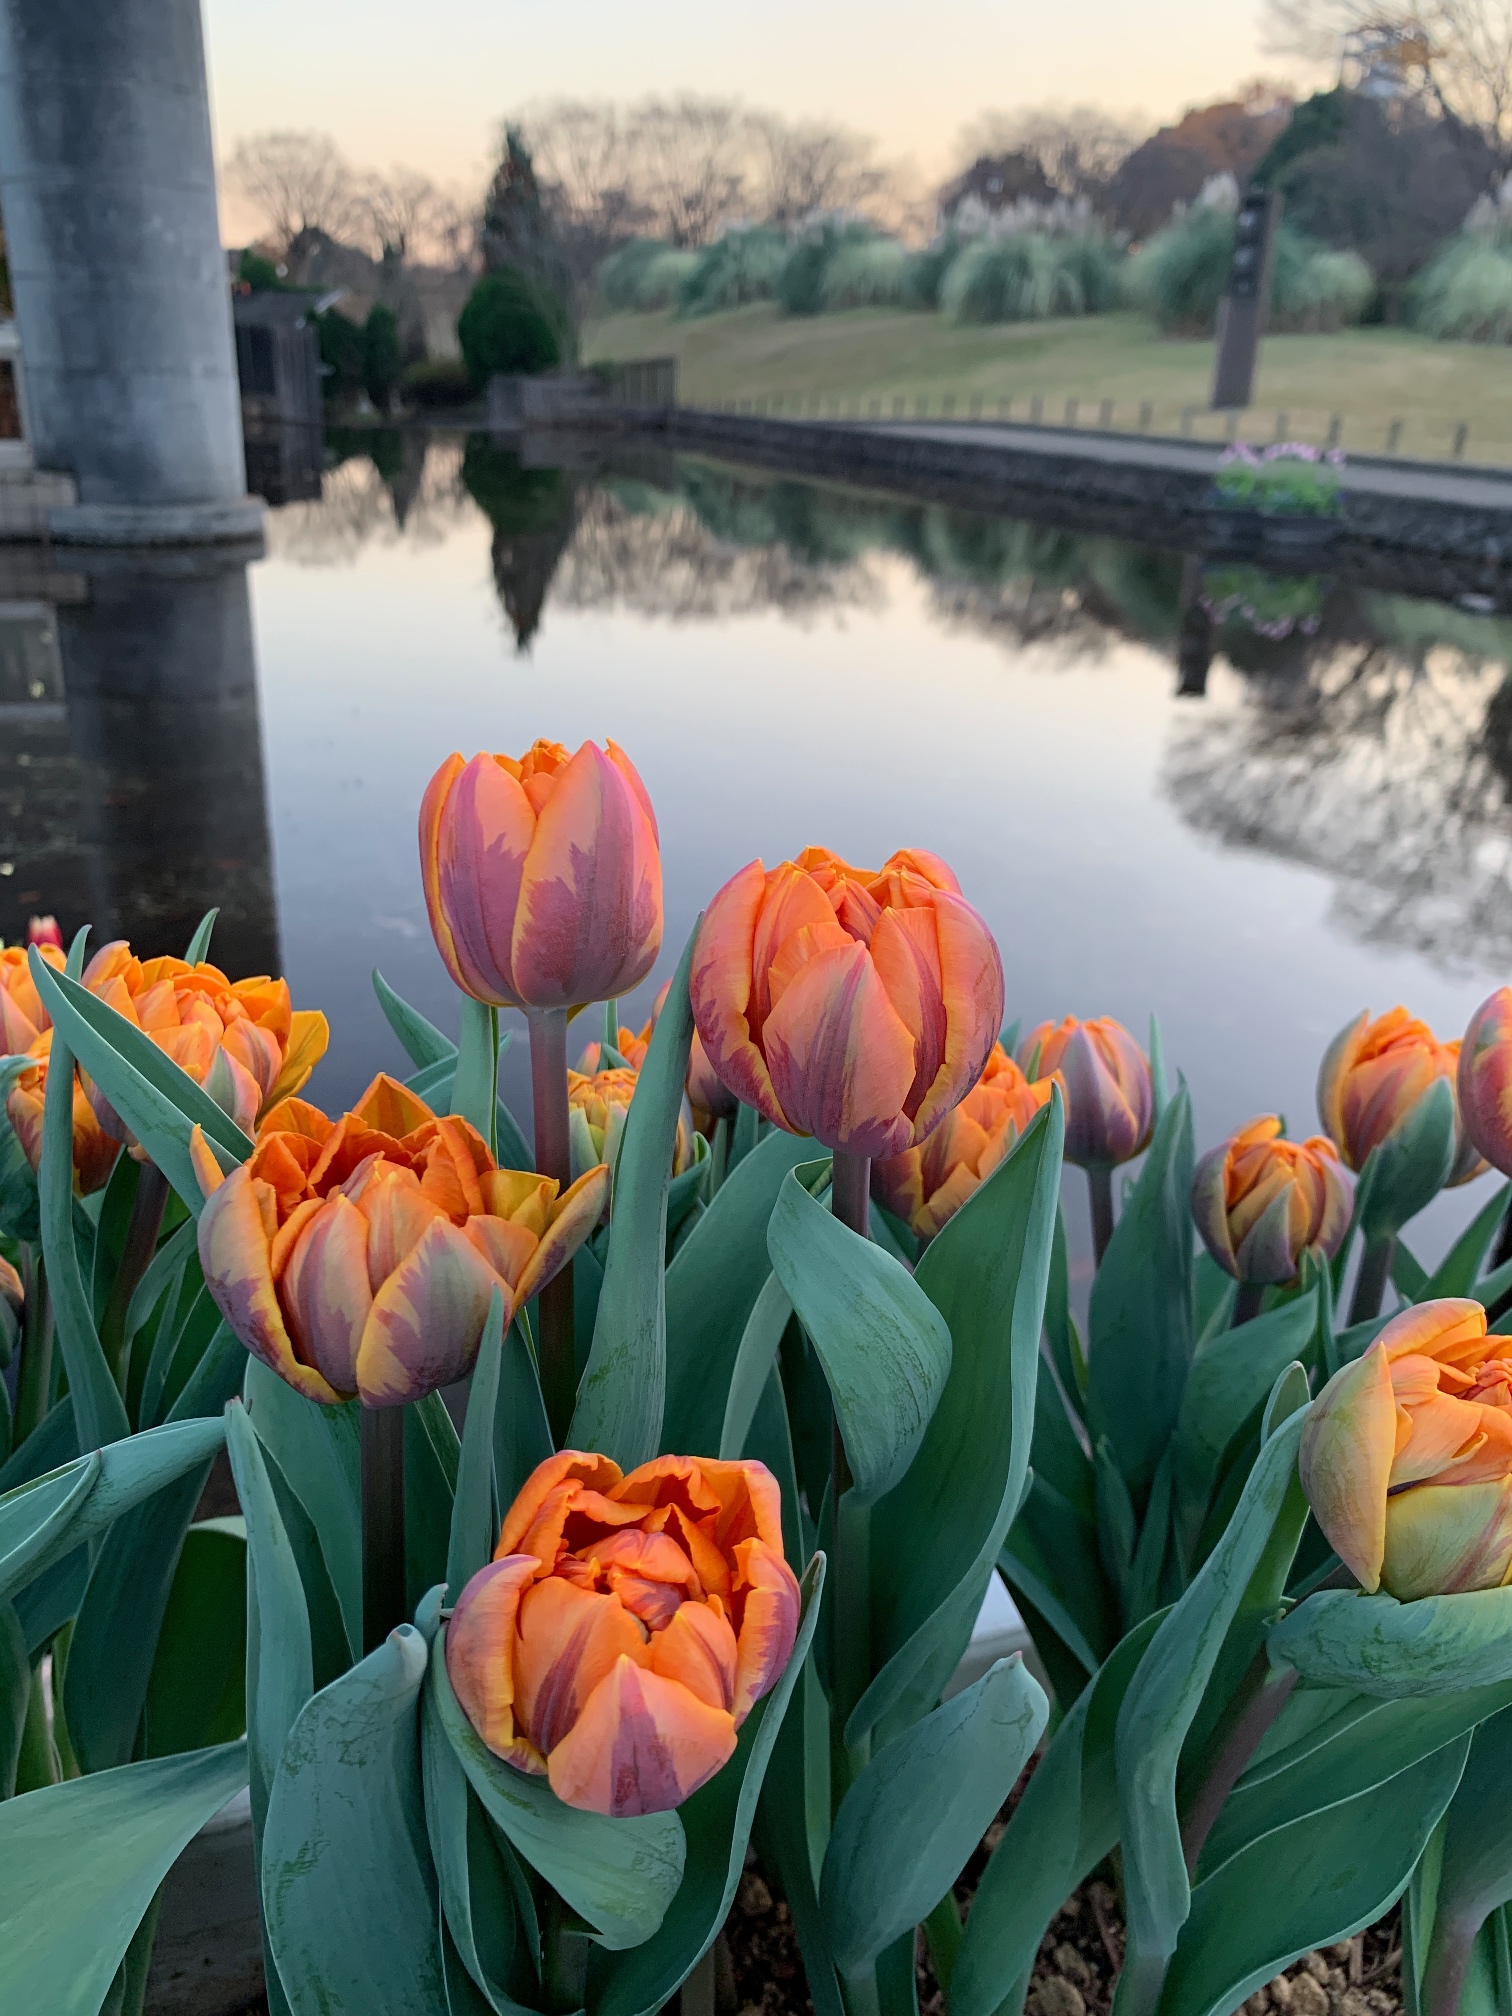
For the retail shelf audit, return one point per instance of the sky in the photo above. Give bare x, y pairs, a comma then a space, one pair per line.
393, 81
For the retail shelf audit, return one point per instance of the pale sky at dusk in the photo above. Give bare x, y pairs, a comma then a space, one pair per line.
426, 85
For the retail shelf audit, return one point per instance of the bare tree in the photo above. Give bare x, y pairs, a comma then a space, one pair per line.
1457, 53
297, 182
808, 165
1079, 147
402, 212
691, 155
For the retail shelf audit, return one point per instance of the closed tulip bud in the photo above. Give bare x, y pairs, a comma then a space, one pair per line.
708, 1095
1484, 1080
242, 1040
1261, 1202
45, 931
1110, 1100
22, 1015
1371, 1079
926, 1186
94, 1150
1406, 1456
626, 1626
853, 1006
543, 875
598, 1107
360, 1256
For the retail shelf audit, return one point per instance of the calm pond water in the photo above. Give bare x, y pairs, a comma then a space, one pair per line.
1326, 828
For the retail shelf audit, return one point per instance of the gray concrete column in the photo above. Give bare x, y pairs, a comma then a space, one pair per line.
107, 188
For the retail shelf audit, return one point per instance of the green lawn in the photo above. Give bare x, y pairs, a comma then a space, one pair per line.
1371, 377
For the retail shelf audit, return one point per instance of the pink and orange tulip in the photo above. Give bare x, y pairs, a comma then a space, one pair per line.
26, 1030
1261, 1202
542, 875
1406, 1456
858, 1007
45, 931
1483, 1080
626, 1626
1110, 1099
1370, 1081
926, 1186
598, 1105
360, 1256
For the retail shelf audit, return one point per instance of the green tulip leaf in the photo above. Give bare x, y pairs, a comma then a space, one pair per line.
83, 1861
1320, 1878
793, 1830
474, 1524
1457, 1271
622, 1396
159, 1103
15, 1695
717, 1821
432, 1456
619, 1875
942, 1526
347, 1884
1165, 1694
198, 949
475, 1081
423, 1042
1063, 1826
197, 1691
50, 1445
1376, 1645
522, 1434
712, 1286
884, 1346
1475, 1869
1412, 1164
754, 1360
1140, 1339
907, 1825
1052, 1561
318, 1449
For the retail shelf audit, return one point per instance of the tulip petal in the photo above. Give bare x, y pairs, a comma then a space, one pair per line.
567, 1466
841, 1059
642, 1744
720, 989
971, 975
905, 949
1332, 1072
476, 827
480, 1644
325, 1291
426, 1321
588, 924
573, 1217
1452, 1331
1348, 1446
698, 1650
309, 1039
1210, 1207
233, 1250
207, 1170
1445, 1539
768, 1622
1266, 1253
568, 1639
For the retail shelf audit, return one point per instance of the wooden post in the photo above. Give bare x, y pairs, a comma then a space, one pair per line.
1241, 315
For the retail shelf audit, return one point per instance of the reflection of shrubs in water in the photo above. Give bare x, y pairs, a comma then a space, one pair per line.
1271, 605
532, 512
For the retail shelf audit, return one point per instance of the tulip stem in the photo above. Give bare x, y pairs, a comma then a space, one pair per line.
1248, 1302
553, 1152
142, 1230
850, 1614
1448, 1962
1240, 1745
1100, 1190
383, 1577
34, 1380
1370, 1283
719, 1154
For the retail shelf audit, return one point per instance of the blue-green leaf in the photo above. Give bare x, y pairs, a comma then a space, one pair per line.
82, 1863
753, 1364
623, 1391
1412, 1164
1376, 1645
318, 1451
474, 1527
522, 1435
197, 1691
884, 1346
919, 1808
1475, 1872
619, 1875
475, 1085
1456, 1272
347, 1884
423, 1042
199, 944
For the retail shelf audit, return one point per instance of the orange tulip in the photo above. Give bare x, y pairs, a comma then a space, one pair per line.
1406, 1456
10, 1285
360, 1256
598, 1107
1261, 1202
925, 1186
1483, 1080
543, 875
853, 1006
22, 1015
94, 1150
1370, 1081
242, 1040
626, 1626
1110, 1100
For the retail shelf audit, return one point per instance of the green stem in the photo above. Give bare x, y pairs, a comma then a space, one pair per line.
1244, 1739
1370, 1283
142, 1231
719, 1157
553, 1153
1248, 1302
68, 1762
698, 1989
1100, 1190
850, 1613
564, 1957
1448, 1962
860, 1992
383, 1604
37, 1763
942, 1929
34, 1385
137, 1964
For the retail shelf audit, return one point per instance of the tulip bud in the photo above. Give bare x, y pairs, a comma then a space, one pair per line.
626, 1626
852, 1006
94, 1150
22, 1015
45, 931
598, 1107
542, 876
1484, 1080
1371, 1079
361, 1256
1261, 1202
1110, 1099
708, 1095
926, 1186
1406, 1456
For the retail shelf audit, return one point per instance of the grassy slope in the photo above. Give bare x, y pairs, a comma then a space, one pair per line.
1371, 376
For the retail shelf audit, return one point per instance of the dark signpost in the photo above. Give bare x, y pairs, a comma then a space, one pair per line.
1241, 315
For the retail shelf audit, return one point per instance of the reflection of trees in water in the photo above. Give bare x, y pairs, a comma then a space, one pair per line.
532, 512
1383, 761
398, 487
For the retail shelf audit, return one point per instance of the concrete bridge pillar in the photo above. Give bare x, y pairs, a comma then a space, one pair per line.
107, 189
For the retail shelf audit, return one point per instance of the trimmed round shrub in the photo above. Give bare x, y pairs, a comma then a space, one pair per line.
439, 381
740, 267
507, 326
800, 285
868, 273
644, 276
